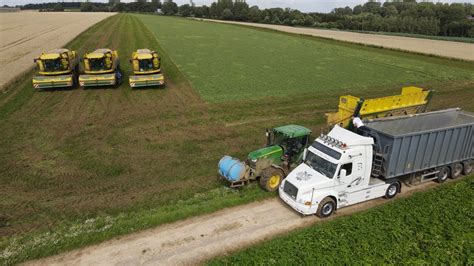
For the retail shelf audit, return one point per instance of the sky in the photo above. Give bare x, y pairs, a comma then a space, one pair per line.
303, 5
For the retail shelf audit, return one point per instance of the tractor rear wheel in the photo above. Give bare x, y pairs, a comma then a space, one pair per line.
271, 179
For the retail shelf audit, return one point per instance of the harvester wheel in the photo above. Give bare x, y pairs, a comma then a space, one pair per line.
271, 179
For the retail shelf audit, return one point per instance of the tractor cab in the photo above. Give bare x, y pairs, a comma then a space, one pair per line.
145, 61
292, 139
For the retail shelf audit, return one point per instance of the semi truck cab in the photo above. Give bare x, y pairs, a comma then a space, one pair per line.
336, 172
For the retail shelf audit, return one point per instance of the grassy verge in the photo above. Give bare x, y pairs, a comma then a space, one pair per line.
434, 227
89, 230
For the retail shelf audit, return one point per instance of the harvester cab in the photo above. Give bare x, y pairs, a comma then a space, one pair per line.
146, 65
57, 68
101, 68
270, 165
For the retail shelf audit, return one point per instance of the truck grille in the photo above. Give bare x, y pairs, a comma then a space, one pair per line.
290, 190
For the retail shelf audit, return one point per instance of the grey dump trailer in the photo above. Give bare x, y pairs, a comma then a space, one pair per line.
435, 145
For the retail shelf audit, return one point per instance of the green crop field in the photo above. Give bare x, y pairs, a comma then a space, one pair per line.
81, 166
434, 228
227, 62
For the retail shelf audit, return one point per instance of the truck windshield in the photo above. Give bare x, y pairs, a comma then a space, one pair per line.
52, 65
321, 165
97, 64
146, 65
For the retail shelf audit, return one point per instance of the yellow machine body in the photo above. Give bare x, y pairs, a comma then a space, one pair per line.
56, 68
146, 66
101, 68
412, 100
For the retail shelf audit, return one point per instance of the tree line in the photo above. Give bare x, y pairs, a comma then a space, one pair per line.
402, 16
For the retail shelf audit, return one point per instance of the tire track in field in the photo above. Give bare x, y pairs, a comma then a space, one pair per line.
197, 239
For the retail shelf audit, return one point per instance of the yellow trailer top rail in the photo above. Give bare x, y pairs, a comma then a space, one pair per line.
412, 100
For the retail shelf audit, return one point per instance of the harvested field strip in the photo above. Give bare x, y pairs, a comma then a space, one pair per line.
407, 231
229, 62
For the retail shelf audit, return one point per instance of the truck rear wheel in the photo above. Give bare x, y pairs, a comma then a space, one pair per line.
467, 167
443, 174
326, 208
456, 170
271, 179
392, 190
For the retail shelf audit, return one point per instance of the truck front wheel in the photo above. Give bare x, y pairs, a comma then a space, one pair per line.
392, 190
326, 208
271, 179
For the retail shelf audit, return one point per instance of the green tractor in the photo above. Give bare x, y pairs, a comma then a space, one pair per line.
270, 165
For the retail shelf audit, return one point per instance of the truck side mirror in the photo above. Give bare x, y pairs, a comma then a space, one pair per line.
305, 151
34, 60
343, 173
131, 61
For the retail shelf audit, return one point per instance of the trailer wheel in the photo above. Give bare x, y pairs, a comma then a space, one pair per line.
443, 174
326, 208
467, 167
456, 170
392, 190
271, 179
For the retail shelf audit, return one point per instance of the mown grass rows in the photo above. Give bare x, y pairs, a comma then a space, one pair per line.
228, 62
434, 227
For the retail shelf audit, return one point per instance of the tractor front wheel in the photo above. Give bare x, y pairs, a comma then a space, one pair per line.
271, 179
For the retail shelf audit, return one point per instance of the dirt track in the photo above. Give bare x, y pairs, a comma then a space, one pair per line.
193, 240
464, 51
24, 35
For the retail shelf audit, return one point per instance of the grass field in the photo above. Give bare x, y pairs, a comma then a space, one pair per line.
226, 62
406, 231
131, 159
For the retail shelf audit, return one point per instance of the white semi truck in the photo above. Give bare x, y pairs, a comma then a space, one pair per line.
343, 168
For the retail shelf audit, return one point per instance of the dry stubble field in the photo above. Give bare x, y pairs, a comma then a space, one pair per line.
24, 35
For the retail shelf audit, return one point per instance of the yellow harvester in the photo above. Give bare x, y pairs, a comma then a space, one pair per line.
146, 66
57, 68
101, 68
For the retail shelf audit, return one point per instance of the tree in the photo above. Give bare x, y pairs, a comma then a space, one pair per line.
185, 10
58, 7
227, 14
169, 8
254, 14
86, 7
